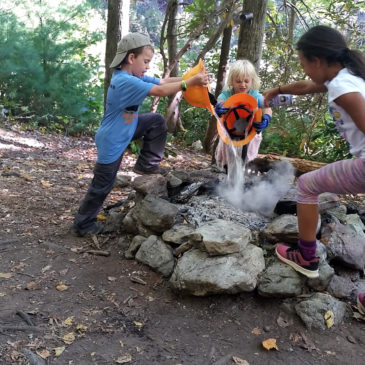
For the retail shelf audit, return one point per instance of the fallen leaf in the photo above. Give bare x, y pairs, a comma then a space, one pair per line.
101, 217
138, 324
77, 249
68, 338
68, 321
44, 269
270, 344
43, 353
32, 285
63, 272
329, 318
5, 275
18, 267
239, 361
46, 184
284, 320
256, 331
332, 353
59, 350
2, 294
124, 359
61, 287
112, 278
81, 328
27, 177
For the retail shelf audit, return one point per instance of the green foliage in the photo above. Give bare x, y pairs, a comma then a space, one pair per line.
305, 129
195, 122
47, 69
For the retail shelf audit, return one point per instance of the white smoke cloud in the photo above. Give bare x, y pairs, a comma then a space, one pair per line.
264, 191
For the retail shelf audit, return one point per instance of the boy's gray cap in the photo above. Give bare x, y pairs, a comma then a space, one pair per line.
128, 42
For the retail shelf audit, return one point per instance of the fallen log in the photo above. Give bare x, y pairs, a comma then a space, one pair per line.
301, 166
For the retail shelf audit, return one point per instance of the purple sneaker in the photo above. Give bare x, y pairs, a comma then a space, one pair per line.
361, 303
294, 258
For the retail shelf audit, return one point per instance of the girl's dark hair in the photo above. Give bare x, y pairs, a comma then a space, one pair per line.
329, 44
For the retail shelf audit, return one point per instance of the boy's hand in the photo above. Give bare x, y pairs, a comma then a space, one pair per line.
201, 79
260, 126
220, 109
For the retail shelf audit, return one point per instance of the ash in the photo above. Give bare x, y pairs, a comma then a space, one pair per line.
203, 208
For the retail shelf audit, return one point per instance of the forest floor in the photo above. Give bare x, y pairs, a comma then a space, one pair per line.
61, 302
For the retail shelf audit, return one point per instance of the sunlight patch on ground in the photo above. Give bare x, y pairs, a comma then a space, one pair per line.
12, 137
9, 147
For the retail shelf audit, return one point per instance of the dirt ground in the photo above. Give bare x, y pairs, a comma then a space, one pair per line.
62, 302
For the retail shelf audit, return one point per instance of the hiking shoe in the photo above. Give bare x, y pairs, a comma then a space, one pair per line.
361, 303
159, 170
294, 258
79, 232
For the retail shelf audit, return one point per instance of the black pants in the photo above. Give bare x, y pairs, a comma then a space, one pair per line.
152, 127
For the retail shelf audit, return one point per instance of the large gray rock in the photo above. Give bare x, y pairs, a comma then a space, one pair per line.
327, 201
157, 255
178, 234
150, 216
280, 280
154, 184
134, 247
340, 287
326, 273
199, 274
312, 311
282, 229
344, 244
221, 237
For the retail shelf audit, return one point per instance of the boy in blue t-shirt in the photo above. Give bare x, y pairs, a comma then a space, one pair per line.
121, 124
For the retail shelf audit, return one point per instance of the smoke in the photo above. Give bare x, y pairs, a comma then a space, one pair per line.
263, 192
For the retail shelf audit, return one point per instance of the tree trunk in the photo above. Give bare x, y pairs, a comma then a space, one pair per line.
252, 31
211, 133
113, 36
173, 106
193, 36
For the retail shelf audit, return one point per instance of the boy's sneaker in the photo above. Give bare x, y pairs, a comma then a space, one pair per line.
294, 258
361, 303
94, 229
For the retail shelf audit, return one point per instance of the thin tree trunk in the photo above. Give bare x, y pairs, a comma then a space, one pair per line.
173, 106
113, 36
250, 38
211, 132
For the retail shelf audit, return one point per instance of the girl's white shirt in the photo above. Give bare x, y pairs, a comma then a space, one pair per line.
345, 82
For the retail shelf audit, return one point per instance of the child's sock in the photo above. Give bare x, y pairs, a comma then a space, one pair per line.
307, 249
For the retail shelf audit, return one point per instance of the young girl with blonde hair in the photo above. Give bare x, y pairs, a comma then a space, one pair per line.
242, 78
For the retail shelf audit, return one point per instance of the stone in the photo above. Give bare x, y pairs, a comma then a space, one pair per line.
154, 184
199, 274
312, 310
221, 237
281, 281
344, 244
157, 255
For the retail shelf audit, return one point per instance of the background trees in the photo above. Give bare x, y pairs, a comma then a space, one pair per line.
54, 60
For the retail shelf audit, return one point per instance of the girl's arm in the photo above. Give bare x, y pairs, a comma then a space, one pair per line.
295, 88
354, 104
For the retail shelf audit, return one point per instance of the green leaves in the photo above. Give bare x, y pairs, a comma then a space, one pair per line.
46, 66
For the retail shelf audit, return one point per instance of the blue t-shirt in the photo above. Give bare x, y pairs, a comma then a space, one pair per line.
227, 93
125, 94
